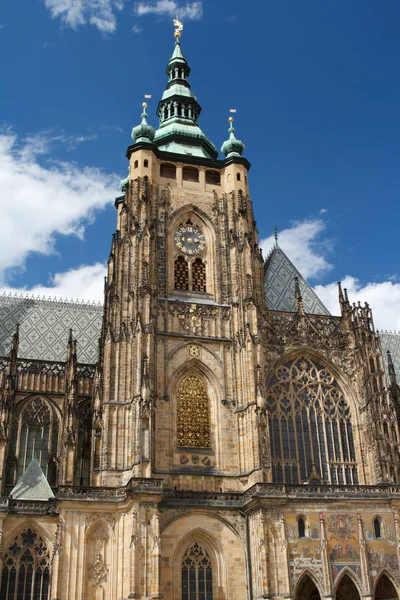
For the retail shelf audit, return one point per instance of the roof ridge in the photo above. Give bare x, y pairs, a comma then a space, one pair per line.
47, 300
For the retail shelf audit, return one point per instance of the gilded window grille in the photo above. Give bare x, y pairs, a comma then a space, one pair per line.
26, 569
196, 574
181, 275
310, 426
34, 435
193, 414
199, 276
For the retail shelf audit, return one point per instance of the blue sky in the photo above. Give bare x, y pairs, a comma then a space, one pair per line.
316, 85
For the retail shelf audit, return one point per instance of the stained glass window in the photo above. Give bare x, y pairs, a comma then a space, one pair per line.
26, 564
310, 425
193, 414
196, 574
34, 435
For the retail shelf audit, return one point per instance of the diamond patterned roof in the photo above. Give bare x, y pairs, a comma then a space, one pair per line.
45, 325
280, 274
391, 341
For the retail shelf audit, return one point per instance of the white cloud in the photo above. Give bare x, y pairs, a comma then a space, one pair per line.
303, 245
84, 283
171, 8
40, 199
383, 297
100, 13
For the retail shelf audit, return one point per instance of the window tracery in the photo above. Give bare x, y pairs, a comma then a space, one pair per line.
310, 425
26, 569
34, 435
193, 414
199, 276
181, 274
196, 574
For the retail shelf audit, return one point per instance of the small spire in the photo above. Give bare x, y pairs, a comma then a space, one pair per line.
233, 146
276, 236
299, 299
143, 132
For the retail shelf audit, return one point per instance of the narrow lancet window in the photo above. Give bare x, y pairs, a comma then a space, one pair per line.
196, 574
181, 275
199, 276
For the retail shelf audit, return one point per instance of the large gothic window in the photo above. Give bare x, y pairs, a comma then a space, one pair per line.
193, 414
310, 426
196, 574
26, 564
34, 435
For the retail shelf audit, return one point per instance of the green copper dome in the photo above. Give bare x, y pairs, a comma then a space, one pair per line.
178, 112
143, 132
232, 147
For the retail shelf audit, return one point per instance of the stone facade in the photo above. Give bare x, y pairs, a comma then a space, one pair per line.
248, 452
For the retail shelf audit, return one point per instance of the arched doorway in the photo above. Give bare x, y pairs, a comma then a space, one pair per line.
385, 589
307, 590
347, 589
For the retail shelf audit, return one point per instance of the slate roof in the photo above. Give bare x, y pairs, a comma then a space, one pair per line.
391, 341
280, 275
45, 325
32, 484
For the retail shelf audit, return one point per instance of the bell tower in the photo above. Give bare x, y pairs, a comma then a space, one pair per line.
179, 382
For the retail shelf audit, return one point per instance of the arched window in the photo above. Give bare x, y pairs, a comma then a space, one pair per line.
34, 435
310, 425
181, 275
238, 176
26, 564
196, 574
378, 528
82, 475
146, 163
301, 525
213, 177
193, 414
136, 164
199, 276
190, 174
168, 170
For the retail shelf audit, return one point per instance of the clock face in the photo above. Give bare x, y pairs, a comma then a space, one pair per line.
189, 240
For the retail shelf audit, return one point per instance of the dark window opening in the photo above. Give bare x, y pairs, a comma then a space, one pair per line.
199, 275
238, 176
146, 163
168, 170
136, 164
302, 528
190, 174
377, 528
213, 178
181, 274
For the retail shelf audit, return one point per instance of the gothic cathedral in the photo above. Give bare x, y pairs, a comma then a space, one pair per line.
211, 432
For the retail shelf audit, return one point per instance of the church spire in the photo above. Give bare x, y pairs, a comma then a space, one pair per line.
178, 110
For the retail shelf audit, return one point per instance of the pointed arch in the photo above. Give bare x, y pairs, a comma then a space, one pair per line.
386, 587
29, 523
99, 560
307, 587
193, 413
26, 567
34, 433
311, 423
347, 586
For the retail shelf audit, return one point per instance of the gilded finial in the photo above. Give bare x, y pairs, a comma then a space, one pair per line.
178, 29
144, 105
276, 235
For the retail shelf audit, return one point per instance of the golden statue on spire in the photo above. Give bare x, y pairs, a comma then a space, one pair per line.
179, 28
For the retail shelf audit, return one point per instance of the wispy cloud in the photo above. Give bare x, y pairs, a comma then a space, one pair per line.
86, 282
171, 8
74, 13
304, 245
40, 199
136, 29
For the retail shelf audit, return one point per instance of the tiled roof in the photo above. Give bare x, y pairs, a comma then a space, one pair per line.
32, 485
391, 341
280, 274
45, 325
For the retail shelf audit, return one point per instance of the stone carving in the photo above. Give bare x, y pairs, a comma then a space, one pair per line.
98, 572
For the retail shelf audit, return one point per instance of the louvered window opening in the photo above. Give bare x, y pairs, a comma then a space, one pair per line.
196, 574
199, 276
310, 426
26, 569
181, 275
